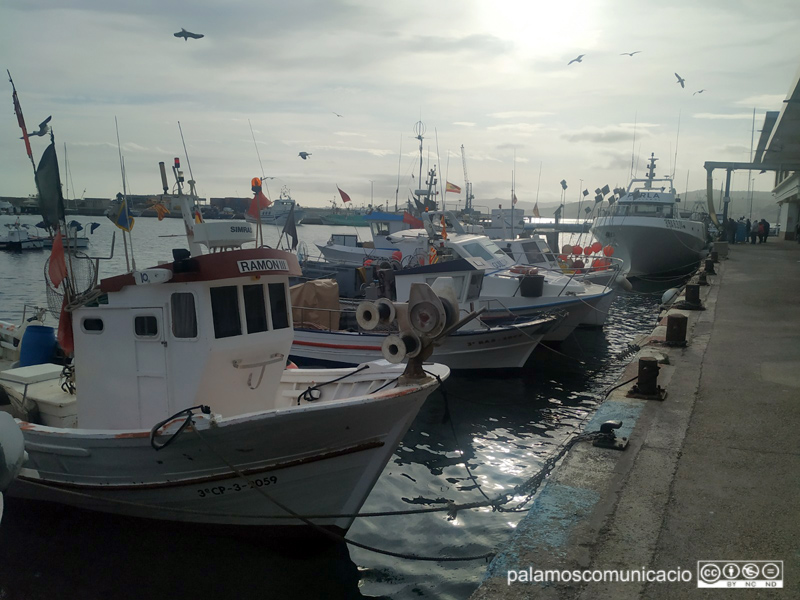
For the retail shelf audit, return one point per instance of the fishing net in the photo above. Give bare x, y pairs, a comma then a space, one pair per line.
81, 272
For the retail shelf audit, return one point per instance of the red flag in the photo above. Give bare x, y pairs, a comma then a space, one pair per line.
253, 209
513, 198
412, 220
57, 269
65, 337
263, 201
21, 121
451, 187
345, 197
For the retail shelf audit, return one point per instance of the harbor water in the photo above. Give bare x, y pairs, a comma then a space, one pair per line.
478, 437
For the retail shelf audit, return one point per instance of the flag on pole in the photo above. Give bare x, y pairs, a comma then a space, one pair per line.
66, 338
198, 218
124, 219
444, 227
290, 228
412, 220
345, 197
536, 210
57, 269
21, 119
513, 198
452, 188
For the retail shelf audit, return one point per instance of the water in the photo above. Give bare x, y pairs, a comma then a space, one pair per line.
502, 426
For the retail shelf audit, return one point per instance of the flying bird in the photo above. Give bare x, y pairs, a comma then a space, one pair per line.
699, 91
681, 80
187, 34
578, 59
337, 114
43, 128
304, 155
630, 53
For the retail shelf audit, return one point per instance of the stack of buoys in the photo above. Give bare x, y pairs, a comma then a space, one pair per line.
575, 257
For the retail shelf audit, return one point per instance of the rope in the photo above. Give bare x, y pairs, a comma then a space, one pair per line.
313, 393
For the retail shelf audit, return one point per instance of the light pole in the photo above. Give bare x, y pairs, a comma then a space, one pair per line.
371, 188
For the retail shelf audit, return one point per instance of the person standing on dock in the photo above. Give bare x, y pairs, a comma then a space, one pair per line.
763, 231
747, 227
754, 232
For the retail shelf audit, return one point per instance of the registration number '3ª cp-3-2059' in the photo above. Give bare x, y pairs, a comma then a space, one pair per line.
674, 224
221, 490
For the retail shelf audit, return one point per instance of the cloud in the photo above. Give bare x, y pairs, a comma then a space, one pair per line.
349, 134
520, 114
464, 124
603, 135
765, 101
524, 129
729, 116
482, 44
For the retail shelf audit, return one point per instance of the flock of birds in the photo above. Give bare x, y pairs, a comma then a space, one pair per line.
680, 79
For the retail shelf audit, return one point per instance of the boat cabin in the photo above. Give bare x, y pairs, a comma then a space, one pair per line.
203, 330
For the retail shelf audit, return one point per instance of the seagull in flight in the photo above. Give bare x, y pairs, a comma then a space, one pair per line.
699, 91
304, 155
630, 53
337, 114
43, 128
681, 80
187, 34
578, 59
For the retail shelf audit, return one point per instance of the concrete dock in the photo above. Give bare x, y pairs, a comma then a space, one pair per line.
712, 472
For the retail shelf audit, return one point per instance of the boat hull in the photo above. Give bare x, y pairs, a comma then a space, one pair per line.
497, 348
650, 245
319, 458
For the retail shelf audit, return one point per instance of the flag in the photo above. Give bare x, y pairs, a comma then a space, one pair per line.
452, 188
21, 120
124, 219
263, 201
290, 228
48, 183
198, 218
536, 210
513, 198
412, 220
65, 337
57, 269
161, 210
444, 227
345, 197
253, 210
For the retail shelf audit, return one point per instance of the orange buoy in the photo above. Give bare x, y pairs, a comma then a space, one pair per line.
608, 251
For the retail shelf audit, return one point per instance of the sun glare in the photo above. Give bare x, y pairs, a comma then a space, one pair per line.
544, 29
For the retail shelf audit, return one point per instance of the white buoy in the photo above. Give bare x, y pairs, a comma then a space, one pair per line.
670, 295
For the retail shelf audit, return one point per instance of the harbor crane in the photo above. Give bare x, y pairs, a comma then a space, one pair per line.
467, 185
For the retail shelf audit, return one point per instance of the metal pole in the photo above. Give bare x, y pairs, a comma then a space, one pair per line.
727, 198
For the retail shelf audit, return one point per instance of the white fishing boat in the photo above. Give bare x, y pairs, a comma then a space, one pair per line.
17, 238
649, 229
278, 212
178, 405
329, 332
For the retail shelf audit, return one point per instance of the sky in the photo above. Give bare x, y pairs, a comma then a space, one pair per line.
491, 76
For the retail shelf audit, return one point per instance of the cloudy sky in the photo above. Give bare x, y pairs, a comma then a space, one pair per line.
489, 75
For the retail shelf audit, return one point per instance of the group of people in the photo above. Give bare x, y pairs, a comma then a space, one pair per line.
755, 230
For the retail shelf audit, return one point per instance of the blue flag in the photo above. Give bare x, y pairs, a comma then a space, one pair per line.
124, 219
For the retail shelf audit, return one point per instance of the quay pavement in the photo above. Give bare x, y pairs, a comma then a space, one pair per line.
710, 473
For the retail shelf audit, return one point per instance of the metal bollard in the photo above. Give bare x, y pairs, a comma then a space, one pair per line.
714, 256
676, 329
709, 266
648, 376
692, 294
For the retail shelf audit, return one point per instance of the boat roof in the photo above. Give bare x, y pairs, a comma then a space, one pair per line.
254, 262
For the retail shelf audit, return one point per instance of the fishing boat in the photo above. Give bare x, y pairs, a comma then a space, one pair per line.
328, 331
17, 238
346, 217
178, 405
278, 212
649, 230
12, 453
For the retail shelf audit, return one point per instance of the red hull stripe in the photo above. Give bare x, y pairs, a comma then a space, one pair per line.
341, 346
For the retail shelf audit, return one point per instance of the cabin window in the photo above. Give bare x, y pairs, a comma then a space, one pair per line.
475, 284
145, 326
379, 229
477, 251
277, 305
225, 311
92, 325
184, 316
532, 253
255, 308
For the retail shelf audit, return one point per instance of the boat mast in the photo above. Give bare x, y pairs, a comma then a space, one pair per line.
651, 172
419, 129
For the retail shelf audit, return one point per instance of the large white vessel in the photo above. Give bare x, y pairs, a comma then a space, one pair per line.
649, 229
278, 212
